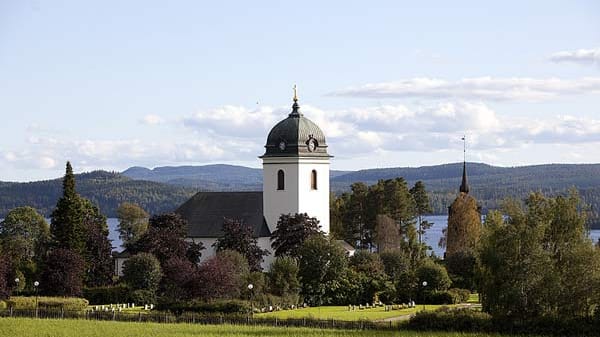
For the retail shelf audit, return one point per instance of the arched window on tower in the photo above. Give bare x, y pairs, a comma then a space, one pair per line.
313, 180
280, 180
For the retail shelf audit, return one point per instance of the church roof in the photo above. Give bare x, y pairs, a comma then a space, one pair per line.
206, 211
292, 137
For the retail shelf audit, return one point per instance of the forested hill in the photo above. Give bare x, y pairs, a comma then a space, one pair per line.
106, 189
490, 184
164, 188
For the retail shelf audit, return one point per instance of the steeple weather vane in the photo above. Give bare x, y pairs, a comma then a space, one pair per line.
295, 93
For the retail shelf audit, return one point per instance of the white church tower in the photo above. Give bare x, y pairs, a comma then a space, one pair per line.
296, 170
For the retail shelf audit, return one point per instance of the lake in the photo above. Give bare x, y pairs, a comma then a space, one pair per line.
432, 237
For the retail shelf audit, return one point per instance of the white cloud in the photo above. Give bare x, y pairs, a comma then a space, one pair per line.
581, 56
152, 120
485, 88
237, 134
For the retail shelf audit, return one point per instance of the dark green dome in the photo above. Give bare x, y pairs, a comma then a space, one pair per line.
296, 136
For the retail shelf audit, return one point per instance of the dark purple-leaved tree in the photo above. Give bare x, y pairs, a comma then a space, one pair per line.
63, 273
239, 237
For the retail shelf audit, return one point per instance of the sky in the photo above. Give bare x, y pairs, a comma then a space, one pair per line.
114, 84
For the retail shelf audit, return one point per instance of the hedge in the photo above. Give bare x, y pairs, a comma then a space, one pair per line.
107, 295
224, 307
442, 297
66, 303
466, 320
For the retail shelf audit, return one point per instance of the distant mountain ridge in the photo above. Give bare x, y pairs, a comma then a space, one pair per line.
164, 188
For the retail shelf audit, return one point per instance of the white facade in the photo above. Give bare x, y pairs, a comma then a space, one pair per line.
210, 251
298, 195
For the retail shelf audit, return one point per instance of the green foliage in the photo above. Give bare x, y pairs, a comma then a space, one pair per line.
292, 231
464, 320
66, 303
24, 237
107, 294
461, 268
463, 294
240, 238
441, 297
283, 276
108, 190
539, 262
143, 296
133, 222
435, 275
223, 307
142, 272
464, 225
67, 226
323, 268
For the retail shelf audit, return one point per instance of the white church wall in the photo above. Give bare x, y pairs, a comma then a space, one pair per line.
208, 250
314, 202
277, 202
265, 243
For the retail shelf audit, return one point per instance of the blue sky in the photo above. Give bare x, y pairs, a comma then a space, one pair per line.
113, 84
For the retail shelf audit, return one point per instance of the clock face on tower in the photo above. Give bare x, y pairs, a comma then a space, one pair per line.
312, 144
282, 145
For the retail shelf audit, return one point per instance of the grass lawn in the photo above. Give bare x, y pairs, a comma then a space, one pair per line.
25, 327
473, 298
342, 313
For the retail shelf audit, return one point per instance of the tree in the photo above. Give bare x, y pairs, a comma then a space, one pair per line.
387, 234
165, 239
98, 259
422, 207
240, 238
292, 231
63, 273
67, 227
178, 275
133, 222
370, 276
538, 261
354, 216
142, 272
435, 275
4, 277
461, 268
24, 238
221, 276
283, 276
464, 225
323, 267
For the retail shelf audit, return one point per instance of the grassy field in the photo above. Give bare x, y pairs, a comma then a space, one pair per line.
342, 313
24, 327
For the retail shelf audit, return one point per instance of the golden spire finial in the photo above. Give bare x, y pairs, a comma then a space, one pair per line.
295, 93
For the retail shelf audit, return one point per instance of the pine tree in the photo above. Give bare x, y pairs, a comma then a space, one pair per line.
67, 227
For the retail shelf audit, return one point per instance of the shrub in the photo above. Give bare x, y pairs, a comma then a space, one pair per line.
283, 276
451, 320
435, 275
142, 271
107, 295
221, 276
142, 296
463, 294
224, 307
442, 297
66, 303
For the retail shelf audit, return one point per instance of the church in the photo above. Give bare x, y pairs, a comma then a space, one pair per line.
295, 180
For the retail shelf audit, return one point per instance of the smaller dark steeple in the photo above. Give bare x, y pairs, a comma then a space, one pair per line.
464, 186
